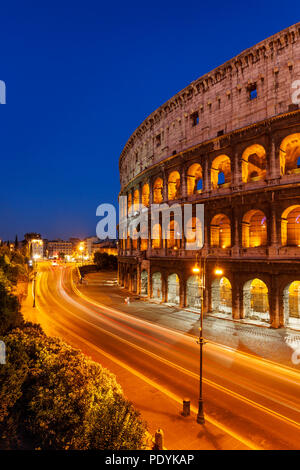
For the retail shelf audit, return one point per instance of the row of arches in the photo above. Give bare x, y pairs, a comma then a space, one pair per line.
253, 168
254, 231
255, 296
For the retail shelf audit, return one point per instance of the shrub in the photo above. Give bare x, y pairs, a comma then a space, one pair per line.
53, 397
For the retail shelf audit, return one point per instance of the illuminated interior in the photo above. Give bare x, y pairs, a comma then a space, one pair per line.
254, 229
174, 185
220, 231
290, 226
221, 172
158, 191
221, 293
194, 232
256, 301
173, 289
173, 235
156, 236
157, 286
136, 199
144, 282
129, 201
193, 292
146, 195
289, 154
254, 163
194, 179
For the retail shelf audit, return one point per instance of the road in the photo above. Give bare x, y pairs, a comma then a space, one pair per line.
255, 402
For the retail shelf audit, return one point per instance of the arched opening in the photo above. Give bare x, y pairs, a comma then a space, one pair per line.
173, 235
254, 163
194, 179
221, 296
289, 154
129, 202
194, 234
156, 236
158, 190
156, 286
291, 304
193, 293
145, 195
220, 231
256, 301
173, 289
290, 226
254, 229
221, 172
144, 238
174, 186
136, 199
144, 282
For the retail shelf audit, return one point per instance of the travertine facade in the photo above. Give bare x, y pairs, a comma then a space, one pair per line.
230, 140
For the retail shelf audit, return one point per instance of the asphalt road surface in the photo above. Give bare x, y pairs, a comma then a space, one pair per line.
255, 402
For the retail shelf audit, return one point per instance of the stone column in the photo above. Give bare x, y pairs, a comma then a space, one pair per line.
182, 292
274, 303
236, 313
273, 161
235, 232
272, 226
165, 187
206, 175
183, 182
236, 170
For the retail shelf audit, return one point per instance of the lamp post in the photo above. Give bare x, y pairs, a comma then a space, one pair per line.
202, 270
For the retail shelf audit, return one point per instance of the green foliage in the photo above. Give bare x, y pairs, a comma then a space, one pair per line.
53, 397
10, 315
105, 261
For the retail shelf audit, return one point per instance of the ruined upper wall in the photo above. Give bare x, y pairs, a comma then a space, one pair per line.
222, 100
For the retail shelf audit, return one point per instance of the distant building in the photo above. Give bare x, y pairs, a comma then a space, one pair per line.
35, 245
55, 247
106, 246
89, 243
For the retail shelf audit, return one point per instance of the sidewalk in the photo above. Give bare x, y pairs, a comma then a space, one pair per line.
273, 344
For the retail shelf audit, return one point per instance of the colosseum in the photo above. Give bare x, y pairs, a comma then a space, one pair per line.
231, 141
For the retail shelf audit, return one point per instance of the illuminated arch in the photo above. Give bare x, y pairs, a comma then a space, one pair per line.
174, 235
221, 295
129, 201
220, 231
254, 229
194, 233
291, 304
289, 154
254, 163
174, 185
157, 286
156, 236
256, 300
146, 195
136, 199
220, 171
290, 226
158, 190
144, 282
173, 289
194, 179
193, 293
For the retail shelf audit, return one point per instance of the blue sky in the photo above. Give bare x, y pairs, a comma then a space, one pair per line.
81, 76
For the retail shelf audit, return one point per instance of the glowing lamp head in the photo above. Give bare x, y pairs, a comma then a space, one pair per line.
218, 272
196, 269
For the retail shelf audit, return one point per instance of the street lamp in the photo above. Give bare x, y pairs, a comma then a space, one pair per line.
200, 270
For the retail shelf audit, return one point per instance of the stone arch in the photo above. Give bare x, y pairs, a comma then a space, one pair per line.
221, 172
254, 163
173, 235
221, 296
158, 190
290, 226
220, 231
156, 236
291, 304
289, 154
193, 233
254, 229
174, 185
193, 293
194, 179
136, 199
256, 300
173, 292
146, 195
129, 202
157, 286
144, 282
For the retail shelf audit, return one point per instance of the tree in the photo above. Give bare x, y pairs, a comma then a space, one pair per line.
16, 243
